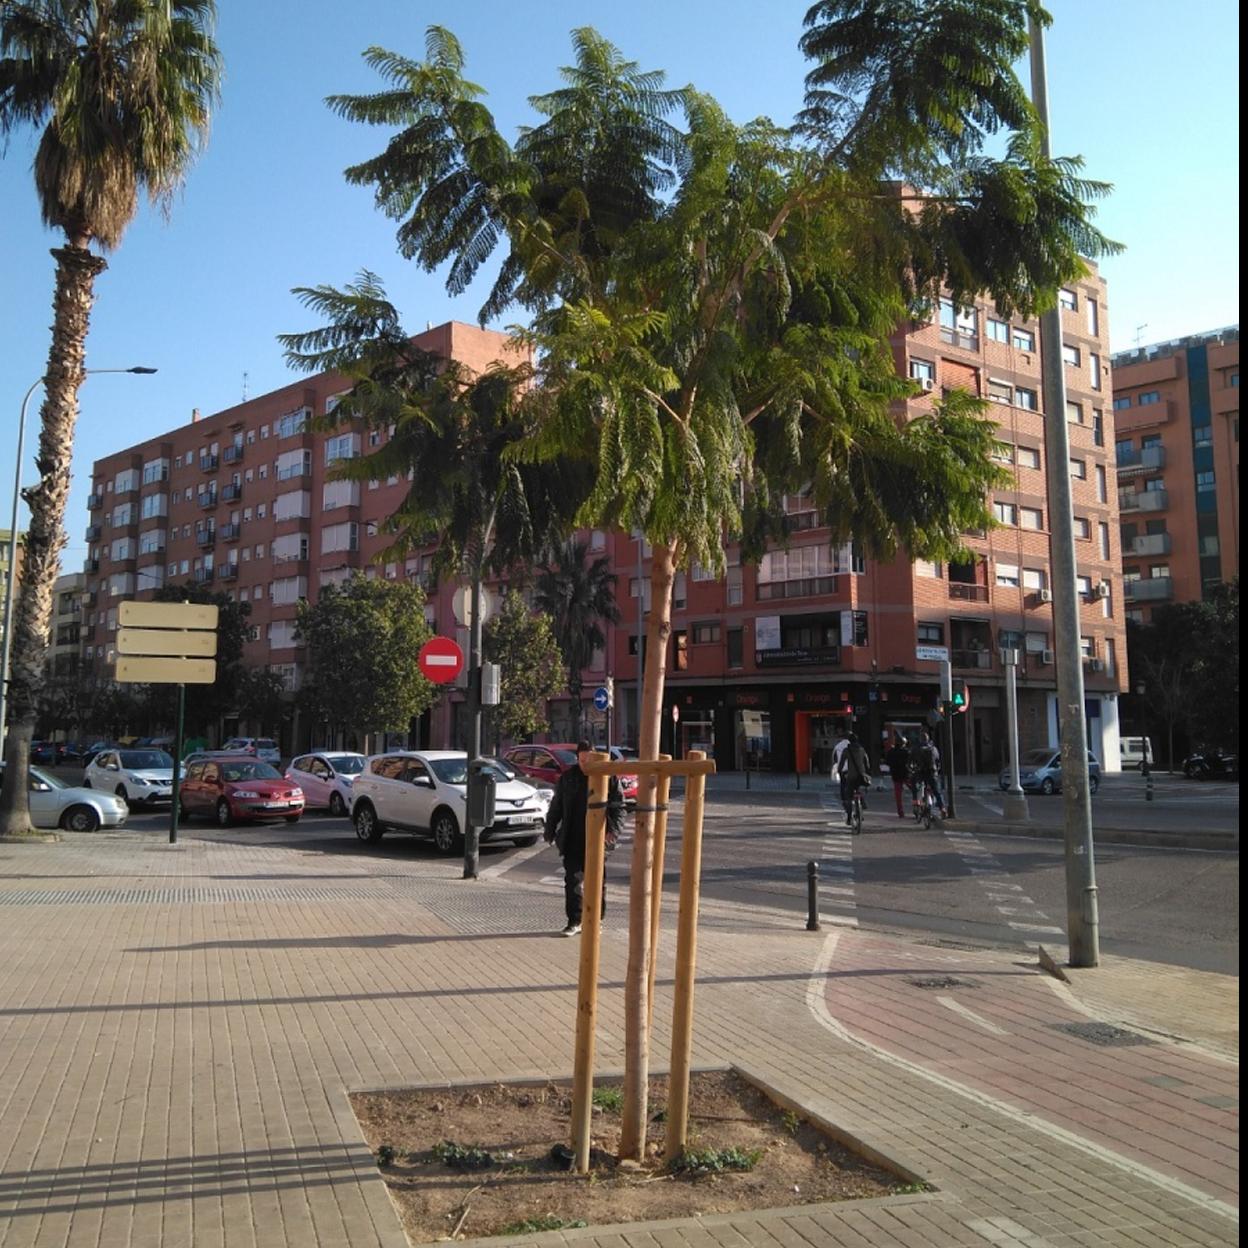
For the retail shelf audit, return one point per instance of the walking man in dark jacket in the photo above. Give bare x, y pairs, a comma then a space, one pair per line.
898, 760
565, 826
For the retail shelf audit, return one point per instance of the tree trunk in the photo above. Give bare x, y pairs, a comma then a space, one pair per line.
76, 271
636, 1005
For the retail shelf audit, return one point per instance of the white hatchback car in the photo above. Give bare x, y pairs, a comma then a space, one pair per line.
426, 793
263, 748
326, 779
55, 804
140, 777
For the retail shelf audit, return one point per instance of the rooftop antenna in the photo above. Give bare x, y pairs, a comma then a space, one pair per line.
245, 384
1139, 334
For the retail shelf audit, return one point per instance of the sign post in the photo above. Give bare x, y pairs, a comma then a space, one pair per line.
168, 643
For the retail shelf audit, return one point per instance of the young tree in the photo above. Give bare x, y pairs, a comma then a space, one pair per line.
363, 638
123, 89
262, 699
522, 643
579, 597
712, 302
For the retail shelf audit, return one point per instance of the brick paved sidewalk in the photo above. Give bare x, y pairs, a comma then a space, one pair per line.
179, 1029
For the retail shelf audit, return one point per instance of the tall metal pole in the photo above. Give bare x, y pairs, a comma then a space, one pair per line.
177, 765
472, 834
11, 583
1015, 798
1081, 900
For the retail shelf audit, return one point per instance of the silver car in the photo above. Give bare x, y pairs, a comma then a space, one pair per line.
1041, 771
55, 804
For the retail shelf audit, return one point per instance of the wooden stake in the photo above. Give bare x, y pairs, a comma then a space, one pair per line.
656, 881
587, 989
686, 960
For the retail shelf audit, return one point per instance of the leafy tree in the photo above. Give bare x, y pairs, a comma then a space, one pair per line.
363, 638
1215, 689
123, 90
262, 700
579, 597
522, 643
712, 302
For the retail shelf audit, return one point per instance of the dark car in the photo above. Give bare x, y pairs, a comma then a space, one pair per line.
233, 788
43, 752
68, 752
1211, 765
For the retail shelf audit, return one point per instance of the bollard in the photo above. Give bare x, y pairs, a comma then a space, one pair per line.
1148, 781
798, 774
812, 896
747, 777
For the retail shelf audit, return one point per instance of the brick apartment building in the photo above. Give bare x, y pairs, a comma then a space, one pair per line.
1176, 413
766, 662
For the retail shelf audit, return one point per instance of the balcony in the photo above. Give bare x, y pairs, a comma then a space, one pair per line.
964, 591
90, 598
807, 587
230, 532
228, 571
90, 565
233, 454
202, 576
1148, 544
208, 498
206, 536
95, 501
798, 656
1143, 500
231, 493
93, 532
1156, 589
980, 659
209, 463
286, 560
1148, 459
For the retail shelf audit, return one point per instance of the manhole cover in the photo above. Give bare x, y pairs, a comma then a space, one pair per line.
1104, 1034
940, 981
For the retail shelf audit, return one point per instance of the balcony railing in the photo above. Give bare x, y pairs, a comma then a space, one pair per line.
93, 532
203, 575
90, 598
1144, 459
233, 454
94, 501
1155, 589
90, 565
806, 587
231, 493
230, 532
1143, 500
964, 591
208, 498
228, 571
209, 463
205, 537
1148, 544
299, 556
976, 658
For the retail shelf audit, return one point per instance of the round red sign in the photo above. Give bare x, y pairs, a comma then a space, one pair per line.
440, 660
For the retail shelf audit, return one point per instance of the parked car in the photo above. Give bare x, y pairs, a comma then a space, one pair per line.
68, 753
229, 788
263, 748
43, 752
1135, 752
1211, 765
628, 784
426, 793
92, 750
1041, 771
544, 764
141, 777
326, 779
55, 804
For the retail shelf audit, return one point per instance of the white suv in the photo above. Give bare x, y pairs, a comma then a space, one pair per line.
263, 748
425, 793
140, 777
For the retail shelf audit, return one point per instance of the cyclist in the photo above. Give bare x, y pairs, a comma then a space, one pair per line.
854, 770
927, 768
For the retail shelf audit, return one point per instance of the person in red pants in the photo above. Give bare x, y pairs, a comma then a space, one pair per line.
898, 760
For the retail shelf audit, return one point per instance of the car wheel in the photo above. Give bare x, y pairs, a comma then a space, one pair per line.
337, 807
224, 816
120, 790
1093, 784
292, 818
1048, 787
367, 826
80, 819
524, 842
184, 812
445, 832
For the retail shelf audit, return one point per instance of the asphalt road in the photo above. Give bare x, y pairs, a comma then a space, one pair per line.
1166, 905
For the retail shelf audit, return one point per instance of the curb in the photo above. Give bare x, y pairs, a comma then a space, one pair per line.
35, 838
1153, 837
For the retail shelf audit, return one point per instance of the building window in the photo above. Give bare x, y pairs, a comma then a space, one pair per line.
959, 326
1031, 518
736, 590
1079, 469
1003, 452
1202, 435
923, 371
292, 423
1098, 427
1103, 530
1083, 586
1083, 528
1024, 339
926, 567
1005, 513
1026, 399
1035, 578
1102, 484
998, 331
1000, 391
1094, 323
1148, 398
931, 634
736, 647
1007, 575
1122, 402
1028, 457
1204, 482
680, 650
1070, 355
706, 634
1074, 412
1094, 370
1068, 299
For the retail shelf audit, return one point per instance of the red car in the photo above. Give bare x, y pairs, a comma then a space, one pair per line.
234, 788
546, 763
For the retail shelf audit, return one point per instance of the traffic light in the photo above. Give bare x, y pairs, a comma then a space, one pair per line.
959, 696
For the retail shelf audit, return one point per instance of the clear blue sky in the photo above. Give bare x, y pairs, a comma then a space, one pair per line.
1147, 92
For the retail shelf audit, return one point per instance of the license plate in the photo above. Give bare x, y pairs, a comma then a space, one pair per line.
276, 805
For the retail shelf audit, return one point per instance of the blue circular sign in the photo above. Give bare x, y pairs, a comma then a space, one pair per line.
601, 698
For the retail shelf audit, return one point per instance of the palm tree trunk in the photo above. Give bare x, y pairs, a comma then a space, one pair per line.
636, 1000
76, 271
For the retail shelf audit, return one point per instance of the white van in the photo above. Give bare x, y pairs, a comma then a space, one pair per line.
1135, 752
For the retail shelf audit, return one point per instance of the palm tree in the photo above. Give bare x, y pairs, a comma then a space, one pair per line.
123, 90
579, 597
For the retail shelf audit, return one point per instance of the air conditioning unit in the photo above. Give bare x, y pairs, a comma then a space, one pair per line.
1046, 658
927, 383
1096, 665
1102, 590
1044, 595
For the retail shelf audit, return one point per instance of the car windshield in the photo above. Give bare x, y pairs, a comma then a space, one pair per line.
1037, 758
265, 744
43, 777
346, 764
455, 770
146, 760
249, 771
566, 757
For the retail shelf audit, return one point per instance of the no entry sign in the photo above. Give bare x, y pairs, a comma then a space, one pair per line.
440, 660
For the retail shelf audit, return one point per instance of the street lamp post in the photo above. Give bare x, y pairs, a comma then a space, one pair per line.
17, 494
1015, 798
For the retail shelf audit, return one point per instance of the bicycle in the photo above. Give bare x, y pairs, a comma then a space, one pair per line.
855, 811
925, 809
